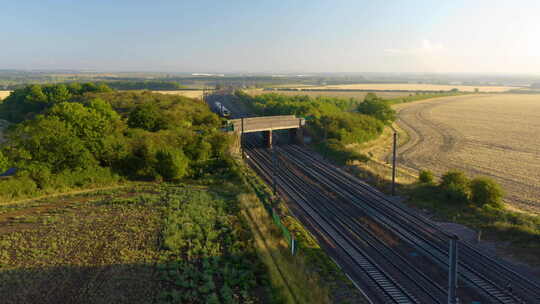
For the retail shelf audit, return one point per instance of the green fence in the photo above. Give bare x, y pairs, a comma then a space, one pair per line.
275, 216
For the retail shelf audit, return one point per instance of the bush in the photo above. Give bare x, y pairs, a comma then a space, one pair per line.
456, 186
485, 191
379, 109
171, 164
426, 177
4, 163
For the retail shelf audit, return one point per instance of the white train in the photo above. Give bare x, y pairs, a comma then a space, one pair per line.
221, 109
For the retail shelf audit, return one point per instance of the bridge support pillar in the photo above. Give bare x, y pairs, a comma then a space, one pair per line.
296, 136
267, 138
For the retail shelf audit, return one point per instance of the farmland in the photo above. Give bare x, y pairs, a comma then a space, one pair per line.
4, 94
185, 93
410, 87
490, 135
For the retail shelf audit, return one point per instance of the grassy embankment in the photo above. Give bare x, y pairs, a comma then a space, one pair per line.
310, 267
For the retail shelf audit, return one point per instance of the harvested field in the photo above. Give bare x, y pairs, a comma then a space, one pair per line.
411, 87
490, 135
4, 94
186, 93
355, 95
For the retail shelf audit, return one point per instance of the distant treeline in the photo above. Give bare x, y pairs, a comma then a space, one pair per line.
153, 85
143, 85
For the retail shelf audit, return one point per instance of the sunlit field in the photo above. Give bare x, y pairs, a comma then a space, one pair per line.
4, 94
411, 87
490, 135
186, 93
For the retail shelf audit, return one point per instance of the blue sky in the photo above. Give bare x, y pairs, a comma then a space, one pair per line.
272, 36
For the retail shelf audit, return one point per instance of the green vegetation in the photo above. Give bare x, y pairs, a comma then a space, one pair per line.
421, 96
86, 135
311, 276
208, 256
154, 85
477, 204
455, 186
485, 191
377, 108
425, 177
332, 122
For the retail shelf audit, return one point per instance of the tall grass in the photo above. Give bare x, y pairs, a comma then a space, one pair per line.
291, 276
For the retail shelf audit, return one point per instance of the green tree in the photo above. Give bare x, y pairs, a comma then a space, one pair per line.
88, 124
48, 141
172, 164
370, 97
426, 177
485, 191
456, 186
378, 109
147, 117
4, 163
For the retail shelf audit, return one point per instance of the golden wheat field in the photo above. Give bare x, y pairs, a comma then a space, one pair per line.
484, 135
341, 94
4, 94
412, 87
186, 93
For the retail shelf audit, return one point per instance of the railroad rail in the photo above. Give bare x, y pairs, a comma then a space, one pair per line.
332, 201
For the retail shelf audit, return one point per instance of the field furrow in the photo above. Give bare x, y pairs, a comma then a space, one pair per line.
489, 135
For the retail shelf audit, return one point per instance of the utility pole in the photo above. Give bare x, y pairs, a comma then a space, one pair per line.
394, 164
274, 170
242, 138
452, 268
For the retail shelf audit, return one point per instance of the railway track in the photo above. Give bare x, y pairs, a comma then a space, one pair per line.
494, 271
333, 202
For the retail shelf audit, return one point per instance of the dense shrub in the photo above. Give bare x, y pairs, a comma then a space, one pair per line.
25, 102
377, 108
4, 163
96, 135
426, 177
456, 186
171, 164
485, 191
147, 117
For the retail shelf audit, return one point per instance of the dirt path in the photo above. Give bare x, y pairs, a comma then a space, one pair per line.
489, 135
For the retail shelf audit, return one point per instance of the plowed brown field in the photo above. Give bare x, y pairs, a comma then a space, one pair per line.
490, 135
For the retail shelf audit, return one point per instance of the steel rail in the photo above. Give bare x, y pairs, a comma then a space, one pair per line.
525, 288
392, 290
436, 250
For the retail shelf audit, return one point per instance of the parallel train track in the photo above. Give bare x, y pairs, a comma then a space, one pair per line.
382, 270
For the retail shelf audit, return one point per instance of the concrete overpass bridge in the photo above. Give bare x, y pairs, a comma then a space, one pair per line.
267, 124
